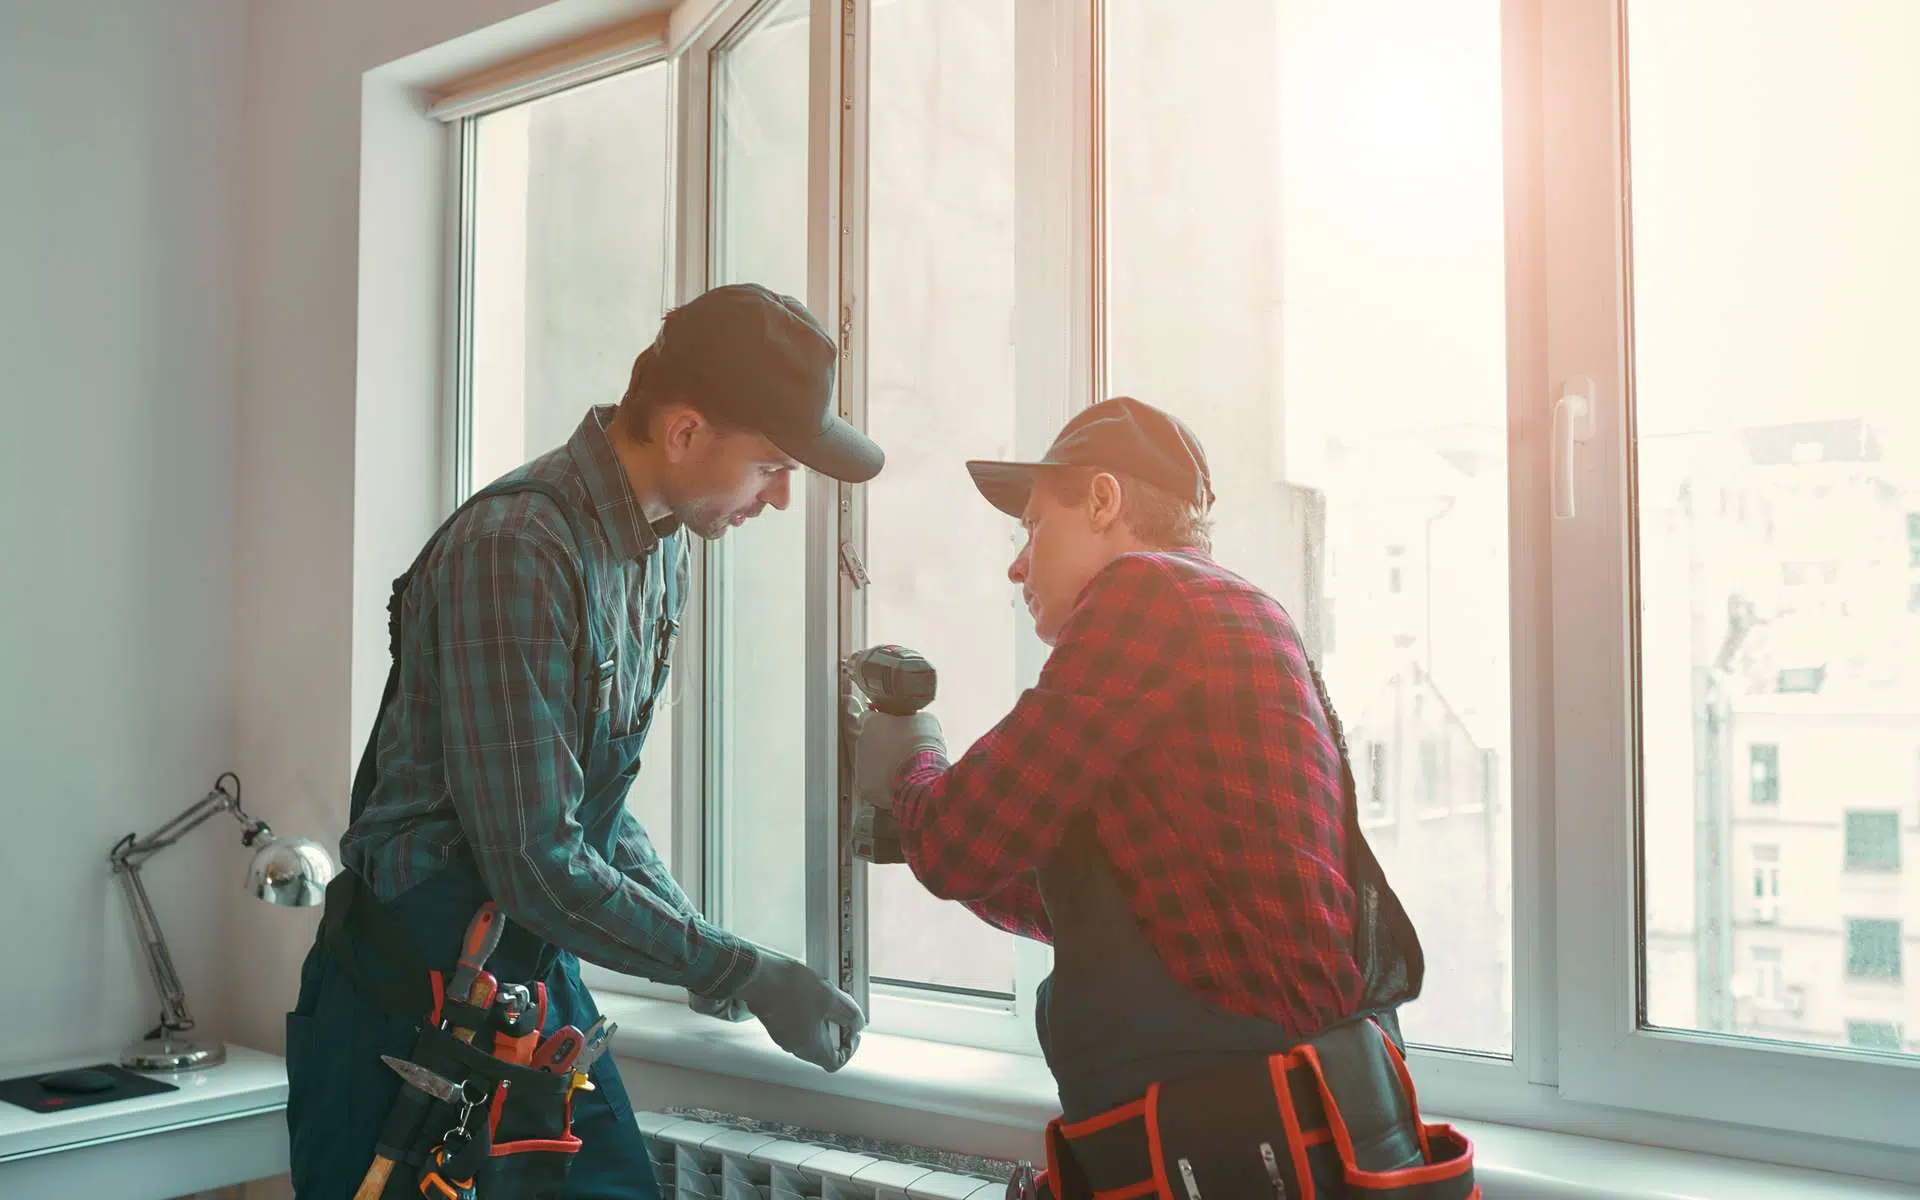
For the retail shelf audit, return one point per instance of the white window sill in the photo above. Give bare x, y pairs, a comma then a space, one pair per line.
989, 1086
1015, 1091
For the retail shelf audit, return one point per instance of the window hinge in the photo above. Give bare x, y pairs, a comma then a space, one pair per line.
851, 566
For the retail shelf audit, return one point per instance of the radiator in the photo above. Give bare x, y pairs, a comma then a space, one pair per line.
711, 1155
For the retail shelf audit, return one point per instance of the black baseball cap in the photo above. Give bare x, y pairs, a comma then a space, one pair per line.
1123, 436
750, 357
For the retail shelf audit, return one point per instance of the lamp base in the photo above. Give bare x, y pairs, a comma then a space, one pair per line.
165, 1053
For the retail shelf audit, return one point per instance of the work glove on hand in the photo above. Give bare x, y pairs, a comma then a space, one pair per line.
884, 744
803, 1013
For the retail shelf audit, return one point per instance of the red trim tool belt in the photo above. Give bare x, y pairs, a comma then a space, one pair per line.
1333, 1117
485, 1107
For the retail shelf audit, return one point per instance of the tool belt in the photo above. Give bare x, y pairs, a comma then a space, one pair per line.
517, 1122
1339, 1107
509, 1133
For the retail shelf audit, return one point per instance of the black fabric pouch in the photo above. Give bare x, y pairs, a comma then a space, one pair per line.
527, 1116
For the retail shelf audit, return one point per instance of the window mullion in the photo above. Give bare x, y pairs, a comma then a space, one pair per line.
1532, 984
698, 665
1593, 747
836, 884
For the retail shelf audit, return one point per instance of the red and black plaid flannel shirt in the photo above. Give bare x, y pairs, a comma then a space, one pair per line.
1178, 709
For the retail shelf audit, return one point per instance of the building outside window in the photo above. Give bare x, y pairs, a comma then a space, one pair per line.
1873, 948
1379, 796
1873, 841
1769, 977
1764, 768
1766, 884
1875, 1035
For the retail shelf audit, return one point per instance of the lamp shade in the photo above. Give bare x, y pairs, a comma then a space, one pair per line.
291, 872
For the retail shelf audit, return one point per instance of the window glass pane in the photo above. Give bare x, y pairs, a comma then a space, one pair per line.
757, 793
1764, 774
569, 244
1306, 261
1873, 841
940, 389
1769, 990
1873, 948
1774, 179
1874, 1035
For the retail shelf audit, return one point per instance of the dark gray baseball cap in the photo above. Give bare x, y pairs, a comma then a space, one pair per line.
1122, 435
750, 357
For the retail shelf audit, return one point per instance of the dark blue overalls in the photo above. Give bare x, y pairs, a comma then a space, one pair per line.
339, 1091
1166, 1094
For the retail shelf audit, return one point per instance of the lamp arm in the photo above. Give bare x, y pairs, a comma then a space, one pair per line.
127, 856
132, 851
174, 1016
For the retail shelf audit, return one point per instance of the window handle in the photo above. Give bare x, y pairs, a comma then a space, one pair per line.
1572, 424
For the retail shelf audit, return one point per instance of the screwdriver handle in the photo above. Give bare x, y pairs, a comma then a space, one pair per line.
483, 935
476, 947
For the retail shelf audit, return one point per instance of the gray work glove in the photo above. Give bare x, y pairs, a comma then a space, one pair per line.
884, 744
805, 1015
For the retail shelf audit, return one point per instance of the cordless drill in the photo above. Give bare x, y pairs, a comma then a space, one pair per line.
899, 682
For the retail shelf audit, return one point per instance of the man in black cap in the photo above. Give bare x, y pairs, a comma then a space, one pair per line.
531, 641
1171, 808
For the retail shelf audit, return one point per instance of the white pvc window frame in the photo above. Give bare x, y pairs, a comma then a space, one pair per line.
1056, 361
1607, 1053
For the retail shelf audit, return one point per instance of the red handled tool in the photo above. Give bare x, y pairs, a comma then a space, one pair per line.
515, 1048
559, 1052
483, 934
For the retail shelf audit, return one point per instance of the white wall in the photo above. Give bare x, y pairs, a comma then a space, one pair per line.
119, 197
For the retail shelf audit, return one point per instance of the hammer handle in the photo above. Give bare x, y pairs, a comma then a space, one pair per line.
376, 1180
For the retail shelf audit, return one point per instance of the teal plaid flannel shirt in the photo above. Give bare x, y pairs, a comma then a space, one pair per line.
478, 753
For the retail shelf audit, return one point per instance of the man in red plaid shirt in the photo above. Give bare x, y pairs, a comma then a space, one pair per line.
1169, 806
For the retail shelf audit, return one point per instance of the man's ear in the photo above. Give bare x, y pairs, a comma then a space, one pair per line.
680, 428
1103, 502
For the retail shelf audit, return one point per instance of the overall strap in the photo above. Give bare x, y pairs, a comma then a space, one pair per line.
671, 564
1386, 944
364, 777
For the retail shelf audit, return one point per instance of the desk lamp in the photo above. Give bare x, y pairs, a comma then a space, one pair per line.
290, 872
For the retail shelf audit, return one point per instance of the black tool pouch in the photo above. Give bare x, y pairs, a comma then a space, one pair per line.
527, 1113
524, 1115
1335, 1117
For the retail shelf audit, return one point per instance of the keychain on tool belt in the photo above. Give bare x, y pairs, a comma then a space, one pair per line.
455, 1162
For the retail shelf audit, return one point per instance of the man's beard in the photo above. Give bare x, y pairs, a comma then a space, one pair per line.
712, 524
